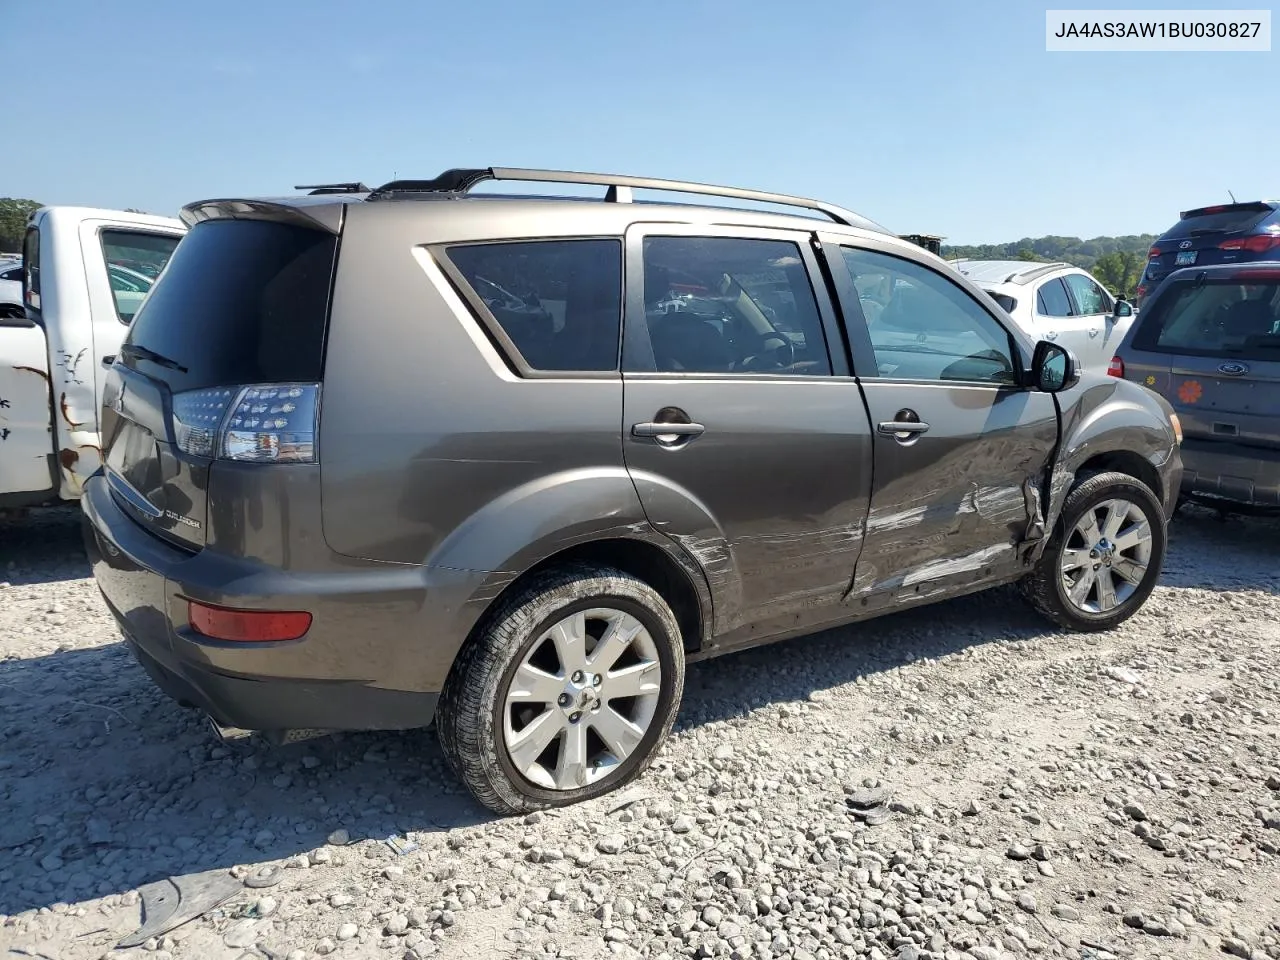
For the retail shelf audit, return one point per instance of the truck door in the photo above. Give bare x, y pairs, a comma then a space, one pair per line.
121, 262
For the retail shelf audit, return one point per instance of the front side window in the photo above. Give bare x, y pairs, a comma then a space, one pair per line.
1052, 299
134, 261
928, 328
1089, 296
731, 305
558, 302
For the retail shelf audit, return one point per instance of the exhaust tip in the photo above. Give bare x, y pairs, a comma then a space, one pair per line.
230, 734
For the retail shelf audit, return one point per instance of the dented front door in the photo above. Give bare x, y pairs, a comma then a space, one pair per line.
960, 449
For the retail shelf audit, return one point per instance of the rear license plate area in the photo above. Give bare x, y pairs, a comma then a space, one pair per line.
1185, 258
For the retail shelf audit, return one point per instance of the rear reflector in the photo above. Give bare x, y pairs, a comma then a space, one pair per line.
247, 626
1258, 243
1116, 367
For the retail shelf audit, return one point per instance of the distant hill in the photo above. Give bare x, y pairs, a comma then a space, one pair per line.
1116, 261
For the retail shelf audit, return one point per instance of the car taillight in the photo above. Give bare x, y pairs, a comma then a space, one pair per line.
247, 626
1116, 367
1259, 243
1153, 253
264, 423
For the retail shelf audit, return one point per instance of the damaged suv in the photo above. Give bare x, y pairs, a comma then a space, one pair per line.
378, 458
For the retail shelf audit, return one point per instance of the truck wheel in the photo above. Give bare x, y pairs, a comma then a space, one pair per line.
1105, 556
565, 693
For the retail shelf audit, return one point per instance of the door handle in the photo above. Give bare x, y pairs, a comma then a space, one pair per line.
890, 427
1093, 331
652, 429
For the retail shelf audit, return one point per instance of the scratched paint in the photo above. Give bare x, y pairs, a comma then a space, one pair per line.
26, 427
951, 566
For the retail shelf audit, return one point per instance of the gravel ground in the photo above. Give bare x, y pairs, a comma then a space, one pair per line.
1036, 793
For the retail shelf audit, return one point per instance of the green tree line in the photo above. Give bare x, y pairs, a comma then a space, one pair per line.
1116, 261
13, 222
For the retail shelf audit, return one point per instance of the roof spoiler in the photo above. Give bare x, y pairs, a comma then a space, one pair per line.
1258, 206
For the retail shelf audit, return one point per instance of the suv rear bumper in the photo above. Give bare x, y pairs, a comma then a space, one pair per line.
1231, 471
333, 678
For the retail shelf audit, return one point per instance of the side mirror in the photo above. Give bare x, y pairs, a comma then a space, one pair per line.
1054, 368
1123, 309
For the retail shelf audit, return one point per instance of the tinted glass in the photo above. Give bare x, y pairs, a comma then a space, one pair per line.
1007, 303
1224, 220
1089, 296
559, 302
731, 305
928, 327
31, 267
134, 260
242, 301
1216, 319
1052, 299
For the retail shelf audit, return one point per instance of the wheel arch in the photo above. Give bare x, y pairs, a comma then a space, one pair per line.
676, 579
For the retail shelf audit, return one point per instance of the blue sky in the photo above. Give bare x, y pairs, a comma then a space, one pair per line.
925, 115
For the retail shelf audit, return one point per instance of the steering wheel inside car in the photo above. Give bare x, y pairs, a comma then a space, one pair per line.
774, 358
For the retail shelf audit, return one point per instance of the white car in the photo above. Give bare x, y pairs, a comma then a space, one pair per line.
1056, 301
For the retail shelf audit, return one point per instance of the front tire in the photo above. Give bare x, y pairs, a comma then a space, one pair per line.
566, 692
1105, 556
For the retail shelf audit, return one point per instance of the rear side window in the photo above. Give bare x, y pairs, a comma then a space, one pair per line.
1052, 299
736, 305
1007, 303
134, 261
242, 302
556, 303
31, 267
1215, 319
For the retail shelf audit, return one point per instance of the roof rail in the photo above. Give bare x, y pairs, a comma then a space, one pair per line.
1033, 270
322, 188
620, 187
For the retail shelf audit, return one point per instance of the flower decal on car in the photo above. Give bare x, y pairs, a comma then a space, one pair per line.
1190, 391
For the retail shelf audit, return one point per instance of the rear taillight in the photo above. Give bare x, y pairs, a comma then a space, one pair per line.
1258, 243
1116, 367
264, 423
1153, 253
247, 626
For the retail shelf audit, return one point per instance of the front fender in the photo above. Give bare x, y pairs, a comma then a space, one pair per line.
1112, 416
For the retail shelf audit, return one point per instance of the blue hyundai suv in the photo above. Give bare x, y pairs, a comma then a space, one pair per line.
1227, 233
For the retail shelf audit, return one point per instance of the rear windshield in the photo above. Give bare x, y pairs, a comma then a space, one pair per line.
1226, 221
242, 301
1215, 319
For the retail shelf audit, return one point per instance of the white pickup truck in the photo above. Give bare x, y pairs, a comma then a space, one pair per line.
84, 273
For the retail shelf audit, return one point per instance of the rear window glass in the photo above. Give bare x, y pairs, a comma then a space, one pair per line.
558, 303
134, 261
1222, 221
1215, 319
242, 301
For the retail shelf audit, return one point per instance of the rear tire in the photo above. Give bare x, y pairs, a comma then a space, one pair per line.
565, 692
1105, 555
